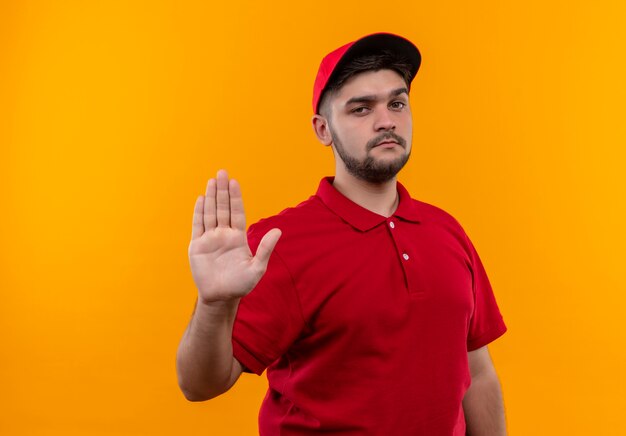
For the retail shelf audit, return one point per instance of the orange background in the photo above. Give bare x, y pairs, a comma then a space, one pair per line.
114, 114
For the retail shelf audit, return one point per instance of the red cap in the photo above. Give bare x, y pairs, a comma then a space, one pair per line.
370, 44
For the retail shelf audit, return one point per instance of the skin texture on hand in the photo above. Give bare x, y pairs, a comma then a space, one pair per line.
222, 264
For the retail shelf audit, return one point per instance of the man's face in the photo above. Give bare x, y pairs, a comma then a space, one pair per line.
371, 125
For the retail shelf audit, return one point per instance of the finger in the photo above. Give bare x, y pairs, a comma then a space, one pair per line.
265, 248
222, 200
237, 215
197, 227
209, 205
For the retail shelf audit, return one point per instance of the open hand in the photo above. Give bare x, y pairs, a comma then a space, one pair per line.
222, 264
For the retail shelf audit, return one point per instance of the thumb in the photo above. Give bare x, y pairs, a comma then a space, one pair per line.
265, 248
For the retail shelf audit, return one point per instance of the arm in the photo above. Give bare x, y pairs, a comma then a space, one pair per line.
205, 363
483, 406
223, 270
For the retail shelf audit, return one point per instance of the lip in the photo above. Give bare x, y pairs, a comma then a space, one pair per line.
386, 143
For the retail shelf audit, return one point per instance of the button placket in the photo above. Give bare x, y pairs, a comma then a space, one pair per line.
393, 233
408, 262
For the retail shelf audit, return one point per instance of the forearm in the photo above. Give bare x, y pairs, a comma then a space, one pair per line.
204, 359
483, 406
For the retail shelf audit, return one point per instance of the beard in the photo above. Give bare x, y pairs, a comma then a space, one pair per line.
369, 169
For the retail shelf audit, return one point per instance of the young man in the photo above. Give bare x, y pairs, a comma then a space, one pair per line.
373, 311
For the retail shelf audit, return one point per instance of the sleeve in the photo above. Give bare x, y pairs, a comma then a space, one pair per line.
486, 323
269, 318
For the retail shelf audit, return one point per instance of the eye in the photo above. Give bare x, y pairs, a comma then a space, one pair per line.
360, 110
397, 105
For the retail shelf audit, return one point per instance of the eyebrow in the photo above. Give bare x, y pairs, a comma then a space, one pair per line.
372, 98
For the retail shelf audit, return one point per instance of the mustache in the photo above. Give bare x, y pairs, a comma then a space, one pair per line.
387, 135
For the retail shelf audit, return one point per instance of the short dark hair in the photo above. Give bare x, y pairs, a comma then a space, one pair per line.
385, 60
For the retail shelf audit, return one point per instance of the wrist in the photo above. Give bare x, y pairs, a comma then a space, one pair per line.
217, 307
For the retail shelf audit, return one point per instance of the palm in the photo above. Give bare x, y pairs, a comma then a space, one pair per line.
222, 264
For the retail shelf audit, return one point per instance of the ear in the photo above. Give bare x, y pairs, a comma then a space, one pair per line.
320, 126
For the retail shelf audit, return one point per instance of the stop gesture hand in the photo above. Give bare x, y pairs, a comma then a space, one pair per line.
222, 264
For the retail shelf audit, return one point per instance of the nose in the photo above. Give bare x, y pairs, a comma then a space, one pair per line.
384, 120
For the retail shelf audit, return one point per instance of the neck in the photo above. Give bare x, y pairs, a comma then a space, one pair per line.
380, 198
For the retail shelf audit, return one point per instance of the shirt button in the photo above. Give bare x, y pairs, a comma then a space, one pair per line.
405, 256
391, 224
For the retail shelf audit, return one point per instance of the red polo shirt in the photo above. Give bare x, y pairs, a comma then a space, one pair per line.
364, 322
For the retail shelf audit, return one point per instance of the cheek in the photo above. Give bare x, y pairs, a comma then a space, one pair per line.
358, 142
354, 134
408, 129
352, 137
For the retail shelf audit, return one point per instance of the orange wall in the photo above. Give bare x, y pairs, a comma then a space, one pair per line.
114, 114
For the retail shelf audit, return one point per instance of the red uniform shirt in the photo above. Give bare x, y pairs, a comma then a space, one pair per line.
364, 322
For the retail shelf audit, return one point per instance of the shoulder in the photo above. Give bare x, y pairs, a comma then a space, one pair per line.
291, 221
439, 221
435, 215
427, 214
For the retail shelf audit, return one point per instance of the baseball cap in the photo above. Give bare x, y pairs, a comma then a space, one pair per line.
334, 62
